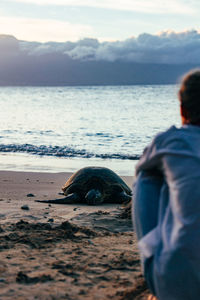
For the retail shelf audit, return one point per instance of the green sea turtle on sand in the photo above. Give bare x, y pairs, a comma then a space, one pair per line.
94, 185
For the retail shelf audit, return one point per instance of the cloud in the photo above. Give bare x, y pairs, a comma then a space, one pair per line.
166, 48
163, 48
154, 6
147, 59
43, 30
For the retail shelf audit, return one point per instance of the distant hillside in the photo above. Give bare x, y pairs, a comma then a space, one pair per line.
25, 63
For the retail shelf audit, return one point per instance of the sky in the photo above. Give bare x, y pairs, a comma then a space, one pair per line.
97, 41
105, 20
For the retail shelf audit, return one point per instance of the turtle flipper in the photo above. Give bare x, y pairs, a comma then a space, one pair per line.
94, 197
69, 199
123, 197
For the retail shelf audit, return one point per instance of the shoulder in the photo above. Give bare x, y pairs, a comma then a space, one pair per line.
172, 133
162, 138
186, 137
163, 143
177, 138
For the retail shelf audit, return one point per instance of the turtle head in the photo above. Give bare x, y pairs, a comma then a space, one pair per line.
94, 197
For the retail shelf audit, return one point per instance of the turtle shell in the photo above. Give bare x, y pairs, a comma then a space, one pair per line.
100, 178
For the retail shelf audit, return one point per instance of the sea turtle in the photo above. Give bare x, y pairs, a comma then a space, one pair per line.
94, 185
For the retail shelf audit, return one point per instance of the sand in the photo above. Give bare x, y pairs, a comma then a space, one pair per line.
63, 251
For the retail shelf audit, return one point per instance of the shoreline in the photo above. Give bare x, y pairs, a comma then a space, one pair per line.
33, 163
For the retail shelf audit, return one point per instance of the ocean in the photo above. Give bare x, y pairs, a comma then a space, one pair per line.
60, 129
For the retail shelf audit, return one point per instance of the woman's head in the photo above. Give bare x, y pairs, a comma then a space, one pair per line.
189, 96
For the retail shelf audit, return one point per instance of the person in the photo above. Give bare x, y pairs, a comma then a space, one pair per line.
166, 204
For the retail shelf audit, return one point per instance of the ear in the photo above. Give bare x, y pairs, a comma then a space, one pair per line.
184, 114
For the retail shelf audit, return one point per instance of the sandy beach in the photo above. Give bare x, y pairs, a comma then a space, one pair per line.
50, 251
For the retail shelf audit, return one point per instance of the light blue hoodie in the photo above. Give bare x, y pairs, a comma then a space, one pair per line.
167, 213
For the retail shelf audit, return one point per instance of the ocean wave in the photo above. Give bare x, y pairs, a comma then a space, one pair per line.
64, 151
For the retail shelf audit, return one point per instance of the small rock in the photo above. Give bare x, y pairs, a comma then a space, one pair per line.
76, 208
25, 207
30, 195
51, 220
82, 292
49, 205
90, 242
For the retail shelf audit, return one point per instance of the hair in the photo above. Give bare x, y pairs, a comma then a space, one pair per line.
189, 95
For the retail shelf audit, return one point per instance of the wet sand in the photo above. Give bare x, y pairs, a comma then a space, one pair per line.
50, 251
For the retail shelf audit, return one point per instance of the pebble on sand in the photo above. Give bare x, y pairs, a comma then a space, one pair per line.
25, 207
30, 195
51, 220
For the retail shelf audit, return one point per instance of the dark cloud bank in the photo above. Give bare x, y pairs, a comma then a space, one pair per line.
147, 59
